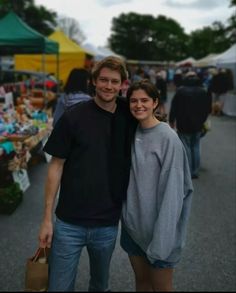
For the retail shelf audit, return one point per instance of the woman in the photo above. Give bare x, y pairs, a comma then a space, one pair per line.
156, 211
75, 91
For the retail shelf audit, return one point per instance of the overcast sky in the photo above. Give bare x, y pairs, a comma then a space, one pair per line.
94, 16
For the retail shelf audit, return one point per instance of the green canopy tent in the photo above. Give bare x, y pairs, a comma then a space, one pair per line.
16, 37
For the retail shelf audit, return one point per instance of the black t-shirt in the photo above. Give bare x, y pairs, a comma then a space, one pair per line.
96, 146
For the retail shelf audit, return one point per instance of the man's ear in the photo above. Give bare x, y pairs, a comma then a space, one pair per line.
94, 82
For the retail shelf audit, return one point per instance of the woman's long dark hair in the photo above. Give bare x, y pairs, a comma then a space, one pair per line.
77, 81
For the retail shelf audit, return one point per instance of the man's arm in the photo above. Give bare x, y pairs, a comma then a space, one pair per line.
51, 188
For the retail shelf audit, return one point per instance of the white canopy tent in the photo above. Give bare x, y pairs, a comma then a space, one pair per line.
99, 52
208, 60
227, 57
228, 60
108, 52
98, 55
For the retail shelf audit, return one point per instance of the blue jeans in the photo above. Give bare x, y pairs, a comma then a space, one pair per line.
67, 244
191, 143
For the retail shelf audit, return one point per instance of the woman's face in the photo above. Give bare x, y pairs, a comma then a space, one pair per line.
142, 106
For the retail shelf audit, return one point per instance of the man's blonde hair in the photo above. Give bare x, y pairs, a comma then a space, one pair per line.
113, 63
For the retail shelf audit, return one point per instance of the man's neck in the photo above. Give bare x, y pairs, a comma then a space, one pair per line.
107, 106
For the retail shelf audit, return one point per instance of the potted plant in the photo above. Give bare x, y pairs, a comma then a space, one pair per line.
10, 198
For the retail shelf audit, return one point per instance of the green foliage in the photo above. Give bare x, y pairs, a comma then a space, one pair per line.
141, 37
37, 17
10, 198
10, 194
41, 19
16, 5
208, 40
130, 35
233, 3
145, 37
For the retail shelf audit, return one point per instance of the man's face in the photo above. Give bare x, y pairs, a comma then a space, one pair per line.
108, 84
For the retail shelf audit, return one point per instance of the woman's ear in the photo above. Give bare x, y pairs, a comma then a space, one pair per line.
155, 104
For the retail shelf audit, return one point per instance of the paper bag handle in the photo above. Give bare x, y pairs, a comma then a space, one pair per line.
35, 257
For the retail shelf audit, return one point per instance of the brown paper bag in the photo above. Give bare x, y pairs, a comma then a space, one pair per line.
36, 275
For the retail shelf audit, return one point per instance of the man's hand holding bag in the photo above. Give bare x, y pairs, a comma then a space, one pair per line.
36, 275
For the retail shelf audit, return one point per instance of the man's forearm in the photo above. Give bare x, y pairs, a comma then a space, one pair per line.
52, 186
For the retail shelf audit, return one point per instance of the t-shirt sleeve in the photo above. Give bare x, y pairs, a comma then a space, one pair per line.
60, 141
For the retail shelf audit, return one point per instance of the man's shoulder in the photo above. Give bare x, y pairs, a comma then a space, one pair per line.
77, 112
80, 107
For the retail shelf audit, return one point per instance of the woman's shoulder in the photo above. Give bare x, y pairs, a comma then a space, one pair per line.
168, 134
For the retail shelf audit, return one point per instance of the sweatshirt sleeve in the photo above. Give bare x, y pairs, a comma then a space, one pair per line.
174, 193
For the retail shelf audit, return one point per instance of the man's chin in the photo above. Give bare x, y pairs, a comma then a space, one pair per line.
107, 98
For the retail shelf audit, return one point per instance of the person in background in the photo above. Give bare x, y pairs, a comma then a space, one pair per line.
90, 148
161, 85
178, 78
156, 212
75, 91
189, 110
2, 91
139, 75
219, 85
152, 74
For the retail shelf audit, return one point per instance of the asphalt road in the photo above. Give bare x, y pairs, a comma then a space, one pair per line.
209, 259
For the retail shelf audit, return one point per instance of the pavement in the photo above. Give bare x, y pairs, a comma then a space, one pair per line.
209, 258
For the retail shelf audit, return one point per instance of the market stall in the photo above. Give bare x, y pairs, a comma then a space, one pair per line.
71, 56
16, 37
24, 119
23, 127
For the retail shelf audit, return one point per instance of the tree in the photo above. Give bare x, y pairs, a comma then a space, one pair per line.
215, 38
145, 37
210, 39
39, 18
15, 5
171, 41
131, 35
231, 28
71, 28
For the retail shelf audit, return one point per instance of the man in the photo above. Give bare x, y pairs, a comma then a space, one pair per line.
190, 108
90, 145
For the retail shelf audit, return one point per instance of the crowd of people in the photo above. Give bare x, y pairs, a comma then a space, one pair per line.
118, 156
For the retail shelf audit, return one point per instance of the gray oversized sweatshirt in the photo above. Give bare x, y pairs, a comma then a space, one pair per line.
158, 203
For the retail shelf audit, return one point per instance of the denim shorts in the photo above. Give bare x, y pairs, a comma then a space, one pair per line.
132, 248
